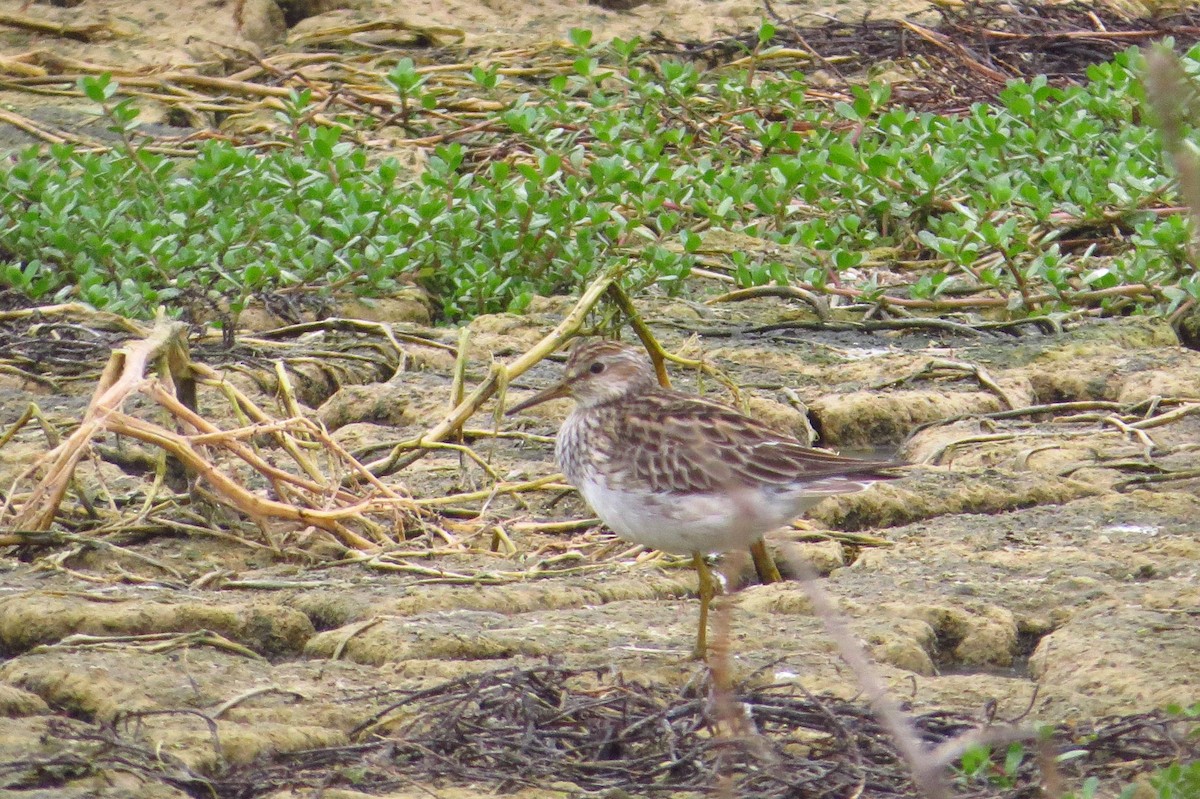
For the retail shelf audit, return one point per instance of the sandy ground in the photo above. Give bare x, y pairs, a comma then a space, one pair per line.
1016, 570
157, 31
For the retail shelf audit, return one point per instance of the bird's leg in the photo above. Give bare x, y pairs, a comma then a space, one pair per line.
764, 564
707, 589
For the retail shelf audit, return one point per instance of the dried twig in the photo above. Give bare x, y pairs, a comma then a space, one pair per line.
409, 452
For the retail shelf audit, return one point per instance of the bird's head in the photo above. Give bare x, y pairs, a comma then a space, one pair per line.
597, 372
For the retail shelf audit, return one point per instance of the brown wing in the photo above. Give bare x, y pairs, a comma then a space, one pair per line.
675, 443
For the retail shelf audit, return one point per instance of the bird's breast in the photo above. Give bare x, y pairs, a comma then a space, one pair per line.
579, 448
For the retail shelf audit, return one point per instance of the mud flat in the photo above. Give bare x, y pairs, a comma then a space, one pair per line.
1025, 567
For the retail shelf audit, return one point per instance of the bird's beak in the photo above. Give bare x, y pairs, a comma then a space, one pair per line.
560, 389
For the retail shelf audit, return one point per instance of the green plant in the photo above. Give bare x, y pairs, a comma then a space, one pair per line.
1177, 781
976, 765
295, 114
410, 86
1087, 790
1052, 197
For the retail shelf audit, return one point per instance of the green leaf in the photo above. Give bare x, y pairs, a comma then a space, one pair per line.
98, 88
580, 37
844, 155
1012, 760
844, 109
766, 32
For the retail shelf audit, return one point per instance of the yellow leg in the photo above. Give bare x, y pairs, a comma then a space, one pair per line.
707, 589
764, 564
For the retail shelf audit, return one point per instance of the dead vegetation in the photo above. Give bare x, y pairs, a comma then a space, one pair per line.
274, 479
322, 487
967, 56
273, 482
595, 731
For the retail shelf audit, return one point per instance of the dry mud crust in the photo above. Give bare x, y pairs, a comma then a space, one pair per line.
549, 731
1020, 567
937, 56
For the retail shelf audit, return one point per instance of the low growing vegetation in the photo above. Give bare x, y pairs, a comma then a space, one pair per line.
1051, 199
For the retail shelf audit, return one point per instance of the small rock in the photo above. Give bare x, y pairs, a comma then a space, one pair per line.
556, 305
256, 319
385, 403
906, 644
15, 702
977, 635
260, 21
781, 418
1178, 380
867, 418
412, 305
821, 556
359, 435
775, 598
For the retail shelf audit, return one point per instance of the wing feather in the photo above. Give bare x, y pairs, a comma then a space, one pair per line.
671, 442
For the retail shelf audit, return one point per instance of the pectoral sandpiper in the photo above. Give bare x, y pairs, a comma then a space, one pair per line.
679, 473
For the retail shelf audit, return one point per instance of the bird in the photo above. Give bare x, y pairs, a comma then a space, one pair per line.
679, 473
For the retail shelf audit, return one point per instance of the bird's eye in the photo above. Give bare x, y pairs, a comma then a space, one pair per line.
597, 367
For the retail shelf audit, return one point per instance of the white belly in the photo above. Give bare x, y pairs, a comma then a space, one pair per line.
687, 523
